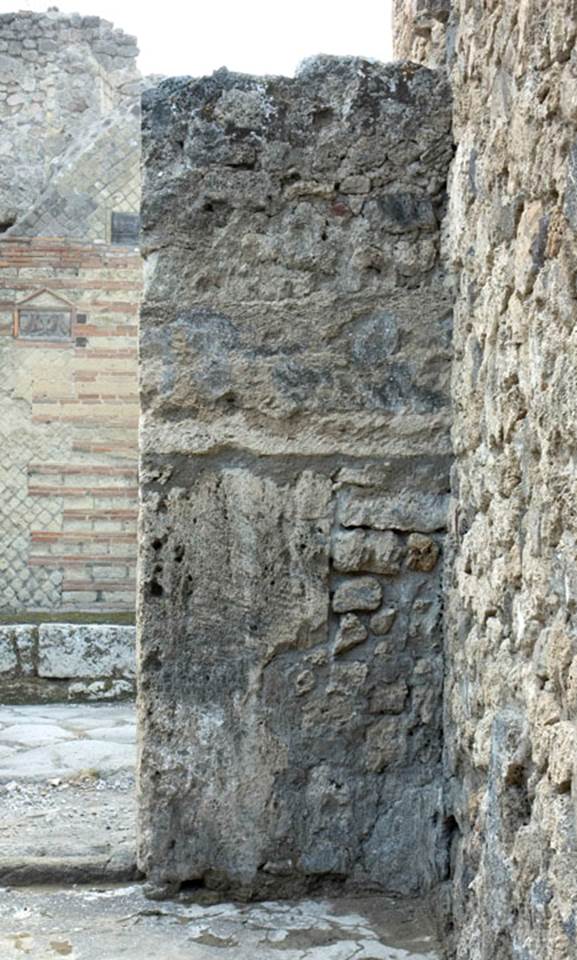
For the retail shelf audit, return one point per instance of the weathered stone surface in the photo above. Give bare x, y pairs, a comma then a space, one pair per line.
295, 343
385, 744
381, 622
18, 645
390, 698
422, 552
366, 550
422, 30
91, 920
56, 662
109, 689
351, 632
8, 654
407, 510
362, 593
92, 651
512, 611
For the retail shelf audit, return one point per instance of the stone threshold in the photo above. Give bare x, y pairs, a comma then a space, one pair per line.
40, 871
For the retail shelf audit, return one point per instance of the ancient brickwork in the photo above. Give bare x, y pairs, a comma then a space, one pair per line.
70, 283
295, 344
69, 419
511, 698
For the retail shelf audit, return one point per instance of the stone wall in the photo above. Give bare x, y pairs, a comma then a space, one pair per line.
511, 697
295, 347
422, 30
70, 284
69, 125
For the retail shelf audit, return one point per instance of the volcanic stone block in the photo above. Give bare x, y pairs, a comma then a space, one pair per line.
422, 553
408, 510
294, 346
350, 634
382, 621
362, 593
372, 551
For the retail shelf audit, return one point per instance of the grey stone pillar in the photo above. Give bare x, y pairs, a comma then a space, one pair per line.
295, 359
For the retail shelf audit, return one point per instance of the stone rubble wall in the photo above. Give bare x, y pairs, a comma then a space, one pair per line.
66, 661
422, 30
69, 125
295, 350
511, 694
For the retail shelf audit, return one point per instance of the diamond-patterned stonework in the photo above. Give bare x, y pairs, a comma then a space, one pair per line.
70, 148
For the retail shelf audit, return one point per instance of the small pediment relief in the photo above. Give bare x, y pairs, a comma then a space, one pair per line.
44, 315
45, 299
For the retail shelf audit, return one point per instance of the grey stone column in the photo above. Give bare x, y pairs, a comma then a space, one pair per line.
295, 352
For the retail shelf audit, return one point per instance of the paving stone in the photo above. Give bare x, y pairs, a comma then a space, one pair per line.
62, 741
67, 759
33, 733
58, 824
125, 733
118, 922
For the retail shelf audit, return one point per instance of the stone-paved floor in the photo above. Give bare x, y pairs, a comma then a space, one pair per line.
117, 923
67, 790
67, 807
66, 740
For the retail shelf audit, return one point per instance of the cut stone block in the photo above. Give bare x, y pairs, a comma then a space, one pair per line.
93, 651
407, 510
17, 646
8, 658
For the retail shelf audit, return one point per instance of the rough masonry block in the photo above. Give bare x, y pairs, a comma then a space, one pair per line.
295, 357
